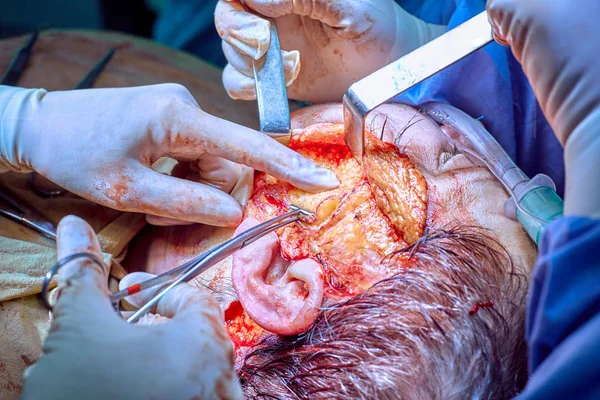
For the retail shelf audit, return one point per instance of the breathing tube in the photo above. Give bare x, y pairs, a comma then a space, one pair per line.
533, 202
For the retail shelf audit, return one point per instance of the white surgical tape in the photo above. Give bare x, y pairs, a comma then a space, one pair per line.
15, 102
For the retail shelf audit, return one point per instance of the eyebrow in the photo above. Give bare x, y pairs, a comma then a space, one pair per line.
412, 335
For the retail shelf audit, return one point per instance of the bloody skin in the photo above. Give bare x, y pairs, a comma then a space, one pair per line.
240, 327
379, 207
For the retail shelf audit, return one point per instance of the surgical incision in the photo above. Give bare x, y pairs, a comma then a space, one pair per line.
379, 208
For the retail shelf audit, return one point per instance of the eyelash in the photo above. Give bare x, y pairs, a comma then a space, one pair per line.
447, 155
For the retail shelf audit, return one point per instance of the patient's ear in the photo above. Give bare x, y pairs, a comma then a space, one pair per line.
280, 297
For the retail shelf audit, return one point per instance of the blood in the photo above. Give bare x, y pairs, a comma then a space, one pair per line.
242, 330
477, 306
275, 202
366, 220
334, 154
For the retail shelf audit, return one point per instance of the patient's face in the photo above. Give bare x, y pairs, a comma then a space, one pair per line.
448, 317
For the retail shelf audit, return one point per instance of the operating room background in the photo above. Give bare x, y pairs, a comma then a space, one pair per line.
183, 24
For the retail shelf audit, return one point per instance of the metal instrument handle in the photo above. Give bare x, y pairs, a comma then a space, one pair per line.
271, 92
408, 71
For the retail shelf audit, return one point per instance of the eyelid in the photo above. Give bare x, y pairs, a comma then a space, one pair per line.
447, 155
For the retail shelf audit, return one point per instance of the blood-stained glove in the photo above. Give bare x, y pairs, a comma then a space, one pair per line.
326, 45
557, 43
101, 144
91, 353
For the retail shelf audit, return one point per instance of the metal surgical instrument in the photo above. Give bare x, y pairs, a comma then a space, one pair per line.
188, 270
271, 93
24, 215
191, 269
395, 78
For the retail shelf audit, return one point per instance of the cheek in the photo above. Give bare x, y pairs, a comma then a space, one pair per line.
467, 195
472, 196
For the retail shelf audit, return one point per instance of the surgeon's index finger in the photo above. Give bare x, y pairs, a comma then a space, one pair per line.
198, 132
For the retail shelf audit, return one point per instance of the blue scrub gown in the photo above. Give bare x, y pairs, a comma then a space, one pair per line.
563, 313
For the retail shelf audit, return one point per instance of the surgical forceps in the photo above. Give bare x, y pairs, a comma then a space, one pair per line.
192, 268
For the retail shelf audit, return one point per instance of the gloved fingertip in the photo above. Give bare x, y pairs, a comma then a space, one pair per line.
28, 371
499, 38
291, 65
138, 299
323, 179
189, 303
74, 235
237, 85
220, 210
83, 278
248, 33
497, 16
312, 178
247, 93
232, 215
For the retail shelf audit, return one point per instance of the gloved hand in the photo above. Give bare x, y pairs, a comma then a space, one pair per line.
328, 44
101, 143
92, 353
557, 42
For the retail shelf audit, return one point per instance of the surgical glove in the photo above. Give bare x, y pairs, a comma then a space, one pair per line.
557, 43
328, 44
101, 144
91, 353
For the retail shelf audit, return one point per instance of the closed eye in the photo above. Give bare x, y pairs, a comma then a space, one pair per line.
445, 156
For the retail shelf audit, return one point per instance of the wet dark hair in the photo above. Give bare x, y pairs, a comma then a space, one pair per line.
450, 325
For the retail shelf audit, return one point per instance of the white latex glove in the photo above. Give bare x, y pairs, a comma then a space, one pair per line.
101, 143
328, 44
91, 353
558, 44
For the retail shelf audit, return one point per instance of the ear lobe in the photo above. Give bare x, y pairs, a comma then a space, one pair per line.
281, 299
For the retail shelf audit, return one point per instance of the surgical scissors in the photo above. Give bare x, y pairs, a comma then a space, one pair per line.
203, 262
194, 267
